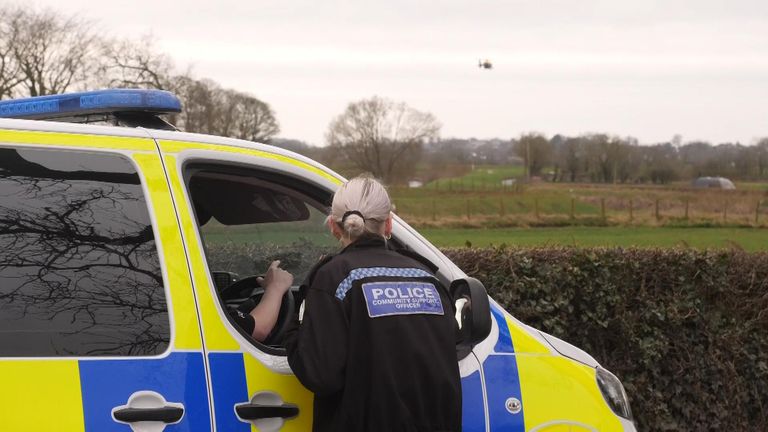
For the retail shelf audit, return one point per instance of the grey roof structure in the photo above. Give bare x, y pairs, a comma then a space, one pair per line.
713, 183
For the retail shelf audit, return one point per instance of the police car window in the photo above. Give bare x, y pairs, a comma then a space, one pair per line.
79, 267
248, 220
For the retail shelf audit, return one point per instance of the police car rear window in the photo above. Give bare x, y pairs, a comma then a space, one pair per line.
79, 267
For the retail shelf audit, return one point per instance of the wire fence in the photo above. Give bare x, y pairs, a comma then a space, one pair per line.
526, 209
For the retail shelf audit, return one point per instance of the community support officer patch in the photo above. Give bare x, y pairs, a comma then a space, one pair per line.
402, 298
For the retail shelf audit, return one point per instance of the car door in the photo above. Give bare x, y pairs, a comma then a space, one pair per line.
216, 189
98, 328
211, 183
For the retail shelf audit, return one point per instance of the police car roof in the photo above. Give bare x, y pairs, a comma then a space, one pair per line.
159, 134
91, 102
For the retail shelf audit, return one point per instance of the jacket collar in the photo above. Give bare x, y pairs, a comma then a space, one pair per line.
367, 241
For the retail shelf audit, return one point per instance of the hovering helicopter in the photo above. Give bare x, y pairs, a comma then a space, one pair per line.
484, 64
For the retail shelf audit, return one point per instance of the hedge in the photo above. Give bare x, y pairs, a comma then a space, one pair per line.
686, 331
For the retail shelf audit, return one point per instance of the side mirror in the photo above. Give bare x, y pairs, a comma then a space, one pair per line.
473, 313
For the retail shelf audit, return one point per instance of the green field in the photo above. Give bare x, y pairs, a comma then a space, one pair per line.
750, 239
483, 176
478, 199
475, 208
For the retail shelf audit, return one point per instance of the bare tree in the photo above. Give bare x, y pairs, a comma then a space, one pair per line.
134, 63
43, 52
53, 52
210, 109
571, 155
10, 72
198, 104
251, 119
381, 136
536, 151
762, 157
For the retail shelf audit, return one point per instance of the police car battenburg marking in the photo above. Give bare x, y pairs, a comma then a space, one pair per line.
361, 273
401, 298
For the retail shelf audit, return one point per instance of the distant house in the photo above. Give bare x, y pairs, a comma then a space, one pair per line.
415, 183
713, 183
508, 182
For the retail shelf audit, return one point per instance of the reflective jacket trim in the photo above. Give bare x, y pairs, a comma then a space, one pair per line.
366, 272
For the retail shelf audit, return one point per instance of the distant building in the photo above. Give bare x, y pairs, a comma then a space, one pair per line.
508, 182
415, 183
713, 183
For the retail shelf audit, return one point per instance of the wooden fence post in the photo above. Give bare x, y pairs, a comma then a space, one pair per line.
686, 210
602, 209
501, 207
658, 216
630, 211
536, 207
434, 212
757, 213
469, 215
725, 211
573, 208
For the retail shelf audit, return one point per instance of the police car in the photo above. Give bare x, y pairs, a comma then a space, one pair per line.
123, 250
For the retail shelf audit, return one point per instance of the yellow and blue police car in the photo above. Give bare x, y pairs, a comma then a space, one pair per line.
124, 249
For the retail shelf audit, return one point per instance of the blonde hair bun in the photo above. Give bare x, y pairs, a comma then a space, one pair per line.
361, 205
354, 225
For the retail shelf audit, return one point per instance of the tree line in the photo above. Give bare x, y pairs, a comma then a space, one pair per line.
601, 158
587, 158
43, 52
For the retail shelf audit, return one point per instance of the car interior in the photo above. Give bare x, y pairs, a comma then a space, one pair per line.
246, 220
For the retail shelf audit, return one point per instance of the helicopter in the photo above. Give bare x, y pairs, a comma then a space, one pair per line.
484, 64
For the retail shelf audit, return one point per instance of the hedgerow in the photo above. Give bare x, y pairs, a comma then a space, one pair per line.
686, 331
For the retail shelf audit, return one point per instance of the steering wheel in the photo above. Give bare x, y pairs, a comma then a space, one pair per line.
249, 288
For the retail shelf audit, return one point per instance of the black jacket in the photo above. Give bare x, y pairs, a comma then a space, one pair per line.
377, 344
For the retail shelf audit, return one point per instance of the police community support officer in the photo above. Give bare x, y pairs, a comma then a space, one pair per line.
376, 343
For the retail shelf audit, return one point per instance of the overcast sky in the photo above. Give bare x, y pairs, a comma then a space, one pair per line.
647, 69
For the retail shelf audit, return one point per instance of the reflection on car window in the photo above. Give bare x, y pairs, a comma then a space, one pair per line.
247, 222
79, 270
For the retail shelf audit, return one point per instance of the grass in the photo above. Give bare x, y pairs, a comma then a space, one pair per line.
266, 237
458, 205
755, 186
314, 232
749, 239
478, 196
481, 176
475, 207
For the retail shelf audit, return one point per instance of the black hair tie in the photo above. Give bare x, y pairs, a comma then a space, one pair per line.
351, 212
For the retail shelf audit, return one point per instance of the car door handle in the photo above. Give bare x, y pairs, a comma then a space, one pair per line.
148, 406
252, 411
166, 414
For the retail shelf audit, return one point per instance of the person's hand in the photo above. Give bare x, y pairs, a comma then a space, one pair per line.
276, 279
275, 282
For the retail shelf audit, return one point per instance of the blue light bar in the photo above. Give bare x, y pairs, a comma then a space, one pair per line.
92, 102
